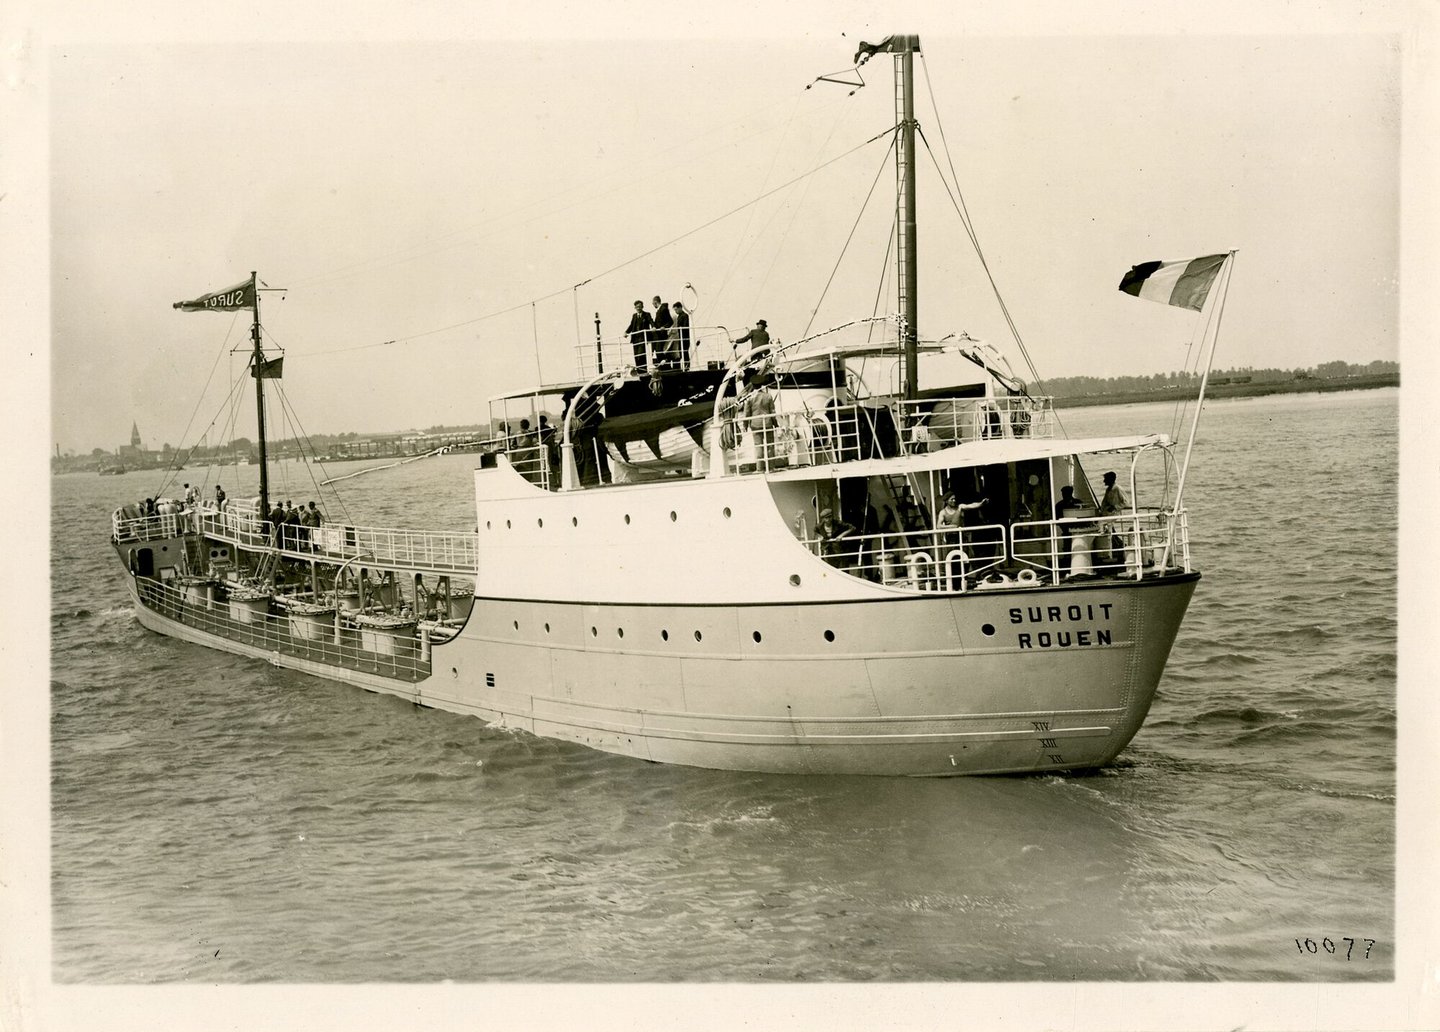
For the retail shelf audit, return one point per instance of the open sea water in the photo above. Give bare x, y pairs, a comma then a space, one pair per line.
218, 820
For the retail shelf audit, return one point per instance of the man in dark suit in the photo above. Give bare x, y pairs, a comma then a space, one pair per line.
639, 331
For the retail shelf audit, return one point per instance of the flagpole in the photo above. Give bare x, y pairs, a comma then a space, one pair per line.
904, 48
1200, 400
257, 370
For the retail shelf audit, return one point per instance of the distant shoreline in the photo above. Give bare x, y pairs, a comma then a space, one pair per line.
1234, 390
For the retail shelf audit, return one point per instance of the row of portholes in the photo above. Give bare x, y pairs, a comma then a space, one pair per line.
575, 520
756, 636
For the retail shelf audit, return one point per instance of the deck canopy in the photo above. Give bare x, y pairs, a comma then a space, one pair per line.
975, 453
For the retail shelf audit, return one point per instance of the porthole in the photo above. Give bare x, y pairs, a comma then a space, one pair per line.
627, 519
988, 630
756, 636
619, 632
574, 521
594, 632
673, 517
539, 523
664, 635
487, 524
454, 672
726, 511
794, 580
515, 624
547, 628
829, 635
507, 524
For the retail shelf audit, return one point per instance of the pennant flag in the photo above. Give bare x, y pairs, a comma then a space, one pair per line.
268, 370
888, 45
229, 300
1183, 284
869, 50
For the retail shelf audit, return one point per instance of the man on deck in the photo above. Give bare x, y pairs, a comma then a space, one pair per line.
639, 331
759, 339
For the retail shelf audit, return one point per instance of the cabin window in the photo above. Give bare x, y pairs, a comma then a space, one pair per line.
829, 635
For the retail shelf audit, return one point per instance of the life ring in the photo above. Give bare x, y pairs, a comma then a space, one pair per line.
1027, 577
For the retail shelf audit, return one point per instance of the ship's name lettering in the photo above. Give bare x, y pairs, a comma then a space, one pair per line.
1069, 637
226, 300
1064, 639
1060, 614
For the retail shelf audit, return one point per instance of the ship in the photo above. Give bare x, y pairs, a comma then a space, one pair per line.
868, 551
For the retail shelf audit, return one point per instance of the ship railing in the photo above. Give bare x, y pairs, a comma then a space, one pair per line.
325, 639
233, 523
917, 560
837, 433
433, 550
931, 423
710, 348
533, 461
1123, 544
420, 549
846, 433
130, 527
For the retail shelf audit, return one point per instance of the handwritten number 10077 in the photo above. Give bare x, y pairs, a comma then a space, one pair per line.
1328, 945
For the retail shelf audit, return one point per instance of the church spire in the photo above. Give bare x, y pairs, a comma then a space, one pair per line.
135, 435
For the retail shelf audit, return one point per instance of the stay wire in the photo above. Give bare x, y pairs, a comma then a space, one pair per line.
958, 200
422, 248
614, 268
185, 434
305, 436
884, 274
745, 230
884, 160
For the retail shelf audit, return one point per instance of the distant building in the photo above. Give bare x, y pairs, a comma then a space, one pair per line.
135, 449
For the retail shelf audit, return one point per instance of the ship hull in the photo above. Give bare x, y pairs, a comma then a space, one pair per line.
997, 681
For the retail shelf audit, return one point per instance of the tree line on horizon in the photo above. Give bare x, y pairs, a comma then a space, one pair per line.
1058, 386
1078, 386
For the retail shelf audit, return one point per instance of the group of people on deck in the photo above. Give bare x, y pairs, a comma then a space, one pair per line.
841, 546
662, 340
291, 524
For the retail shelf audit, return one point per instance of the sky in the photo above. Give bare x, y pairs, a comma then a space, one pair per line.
405, 169
402, 191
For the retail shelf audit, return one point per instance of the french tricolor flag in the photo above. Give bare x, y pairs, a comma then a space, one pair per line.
1184, 284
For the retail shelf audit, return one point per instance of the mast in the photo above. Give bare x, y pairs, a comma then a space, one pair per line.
258, 370
903, 48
